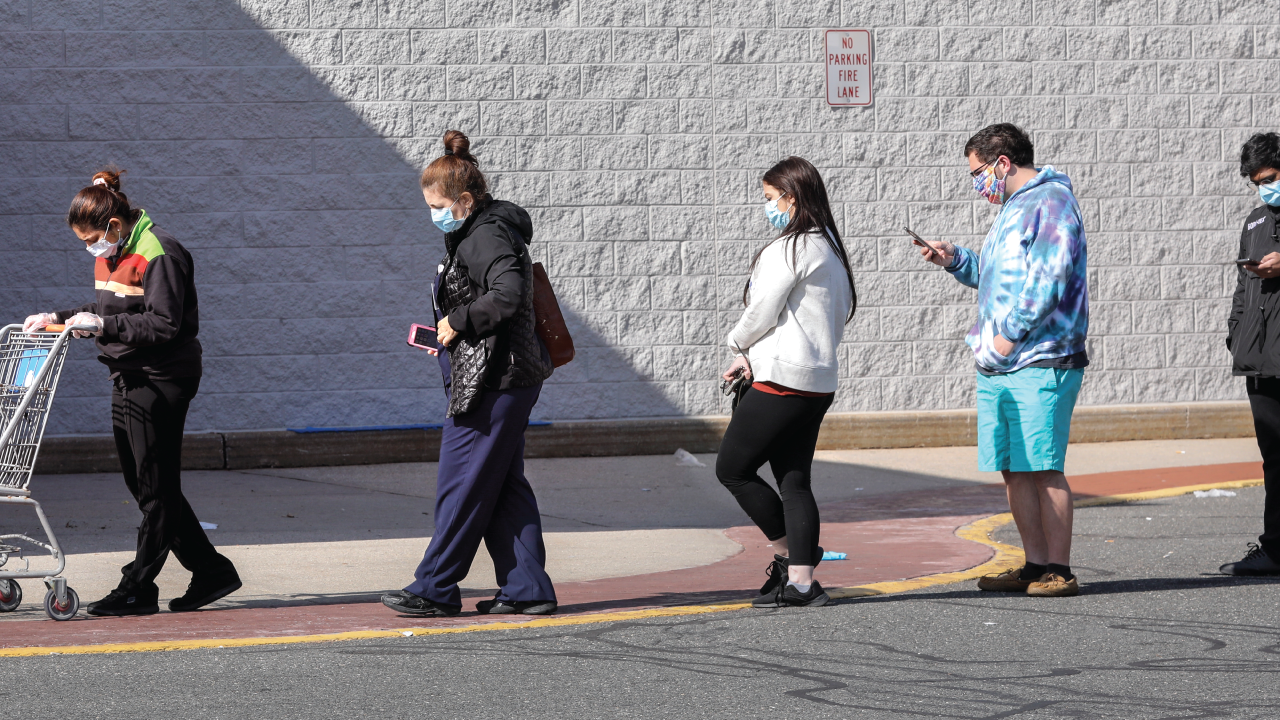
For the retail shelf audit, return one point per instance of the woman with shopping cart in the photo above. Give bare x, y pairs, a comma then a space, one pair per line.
146, 319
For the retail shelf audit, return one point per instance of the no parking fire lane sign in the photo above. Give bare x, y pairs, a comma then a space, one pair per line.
848, 59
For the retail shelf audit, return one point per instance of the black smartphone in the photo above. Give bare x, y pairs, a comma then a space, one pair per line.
917, 240
1245, 261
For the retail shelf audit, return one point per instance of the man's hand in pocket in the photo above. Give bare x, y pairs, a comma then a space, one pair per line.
1002, 346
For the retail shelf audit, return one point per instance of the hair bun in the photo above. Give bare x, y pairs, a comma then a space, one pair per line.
109, 178
456, 143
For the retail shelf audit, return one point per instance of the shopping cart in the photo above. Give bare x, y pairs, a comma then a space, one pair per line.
30, 364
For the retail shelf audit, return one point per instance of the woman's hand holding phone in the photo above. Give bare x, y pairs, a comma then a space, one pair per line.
740, 365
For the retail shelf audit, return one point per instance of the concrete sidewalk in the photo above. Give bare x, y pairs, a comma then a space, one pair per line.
619, 529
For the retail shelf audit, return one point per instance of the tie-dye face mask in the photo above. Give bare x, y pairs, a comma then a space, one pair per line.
989, 186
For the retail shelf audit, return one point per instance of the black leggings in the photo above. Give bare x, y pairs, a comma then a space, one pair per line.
783, 431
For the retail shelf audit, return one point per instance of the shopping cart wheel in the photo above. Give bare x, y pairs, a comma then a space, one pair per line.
10, 595
59, 611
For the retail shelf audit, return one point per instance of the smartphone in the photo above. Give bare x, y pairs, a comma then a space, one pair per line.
1245, 261
916, 239
424, 336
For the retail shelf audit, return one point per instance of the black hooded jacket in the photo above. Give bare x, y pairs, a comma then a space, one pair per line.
487, 293
1253, 328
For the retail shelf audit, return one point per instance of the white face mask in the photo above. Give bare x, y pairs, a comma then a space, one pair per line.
102, 248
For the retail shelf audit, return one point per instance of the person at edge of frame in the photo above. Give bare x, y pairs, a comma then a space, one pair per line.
493, 372
1028, 345
798, 299
146, 319
1253, 337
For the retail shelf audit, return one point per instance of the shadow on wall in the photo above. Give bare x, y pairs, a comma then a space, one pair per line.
291, 177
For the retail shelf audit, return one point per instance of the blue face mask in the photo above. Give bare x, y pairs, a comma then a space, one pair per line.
777, 218
444, 219
1270, 193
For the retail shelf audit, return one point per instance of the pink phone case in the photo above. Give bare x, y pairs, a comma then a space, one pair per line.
413, 330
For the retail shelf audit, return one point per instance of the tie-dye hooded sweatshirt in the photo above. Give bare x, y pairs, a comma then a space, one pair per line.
1030, 277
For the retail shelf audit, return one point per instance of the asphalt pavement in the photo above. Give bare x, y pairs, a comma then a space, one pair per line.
1155, 634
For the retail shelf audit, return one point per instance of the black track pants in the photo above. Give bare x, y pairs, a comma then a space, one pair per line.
148, 417
1264, 400
781, 430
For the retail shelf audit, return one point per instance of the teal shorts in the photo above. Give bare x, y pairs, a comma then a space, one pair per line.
1024, 419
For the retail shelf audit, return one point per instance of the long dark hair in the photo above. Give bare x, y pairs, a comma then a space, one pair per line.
810, 212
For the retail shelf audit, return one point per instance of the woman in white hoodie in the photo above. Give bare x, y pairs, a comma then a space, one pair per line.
798, 301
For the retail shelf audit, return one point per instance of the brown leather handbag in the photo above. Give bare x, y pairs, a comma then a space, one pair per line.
549, 320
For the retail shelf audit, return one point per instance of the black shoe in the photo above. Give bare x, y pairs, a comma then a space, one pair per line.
816, 597
203, 591
777, 572
769, 599
786, 595
121, 603
502, 607
406, 603
1255, 562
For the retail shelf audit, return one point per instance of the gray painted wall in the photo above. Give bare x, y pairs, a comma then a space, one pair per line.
280, 140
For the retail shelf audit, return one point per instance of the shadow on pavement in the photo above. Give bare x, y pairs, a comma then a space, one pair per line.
95, 513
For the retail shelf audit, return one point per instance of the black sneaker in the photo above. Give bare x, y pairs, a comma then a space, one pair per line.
1255, 562
816, 597
786, 595
122, 603
406, 603
502, 607
203, 591
769, 599
777, 572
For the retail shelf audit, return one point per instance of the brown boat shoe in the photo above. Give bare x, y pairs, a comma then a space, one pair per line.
1051, 585
1007, 581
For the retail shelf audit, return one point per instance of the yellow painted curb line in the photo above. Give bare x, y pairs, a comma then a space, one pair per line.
979, 531
1008, 556
1166, 492
165, 645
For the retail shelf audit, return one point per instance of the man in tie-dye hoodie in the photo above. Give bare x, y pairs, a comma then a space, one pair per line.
1028, 346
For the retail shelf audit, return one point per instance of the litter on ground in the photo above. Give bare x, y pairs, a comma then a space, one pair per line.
684, 458
1214, 493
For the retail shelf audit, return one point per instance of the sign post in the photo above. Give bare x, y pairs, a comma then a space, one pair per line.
848, 59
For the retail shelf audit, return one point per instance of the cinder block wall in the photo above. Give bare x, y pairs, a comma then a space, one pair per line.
280, 140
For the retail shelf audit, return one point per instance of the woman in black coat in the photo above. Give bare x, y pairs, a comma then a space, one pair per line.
493, 372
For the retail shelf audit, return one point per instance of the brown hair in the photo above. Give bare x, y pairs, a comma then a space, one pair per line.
456, 171
810, 213
1005, 139
94, 206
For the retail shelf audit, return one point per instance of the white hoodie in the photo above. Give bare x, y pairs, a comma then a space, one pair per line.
792, 327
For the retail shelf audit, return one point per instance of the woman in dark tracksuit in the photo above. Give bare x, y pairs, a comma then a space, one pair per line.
146, 319
493, 371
